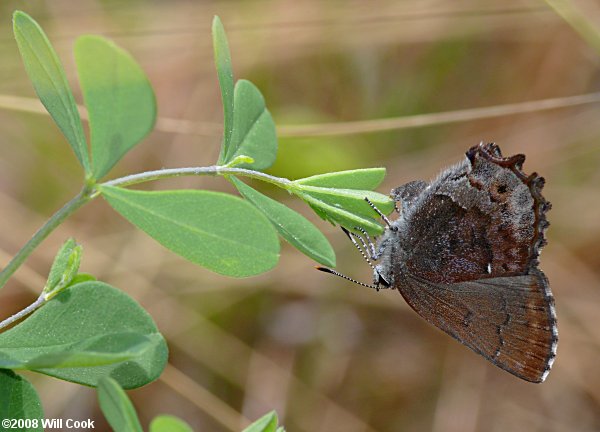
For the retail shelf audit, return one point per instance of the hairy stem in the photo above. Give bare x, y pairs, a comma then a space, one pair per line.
52, 223
29, 309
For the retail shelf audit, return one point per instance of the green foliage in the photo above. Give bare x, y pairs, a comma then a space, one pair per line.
116, 407
292, 226
339, 197
346, 207
121, 415
64, 269
167, 423
49, 80
19, 400
81, 277
99, 350
253, 128
225, 75
119, 99
367, 178
248, 128
239, 160
221, 232
88, 331
118, 96
267, 423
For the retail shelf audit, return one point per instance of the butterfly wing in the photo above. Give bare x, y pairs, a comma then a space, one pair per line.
467, 257
508, 320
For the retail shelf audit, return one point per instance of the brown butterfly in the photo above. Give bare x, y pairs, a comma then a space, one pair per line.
464, 255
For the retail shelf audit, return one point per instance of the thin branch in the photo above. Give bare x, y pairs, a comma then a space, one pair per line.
186, 127
29, 309
50, 225
435, 119
196, 171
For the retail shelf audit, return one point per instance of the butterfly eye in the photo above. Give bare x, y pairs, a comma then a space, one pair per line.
382, 281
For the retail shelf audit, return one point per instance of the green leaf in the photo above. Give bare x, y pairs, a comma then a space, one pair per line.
81, 277
351, 199
167, 423
19, 400
116, 407
64, 268
61, 263
225, 74
218, 231
367, 179
347, 207
50, 83
345, 218
239, 160
97, 325
100, 350
292, 226
253, 128
119, 99
267, 423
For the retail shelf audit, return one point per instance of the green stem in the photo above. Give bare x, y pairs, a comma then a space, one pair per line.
210, 170
52, 223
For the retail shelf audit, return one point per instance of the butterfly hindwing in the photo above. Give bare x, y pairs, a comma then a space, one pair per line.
512, 324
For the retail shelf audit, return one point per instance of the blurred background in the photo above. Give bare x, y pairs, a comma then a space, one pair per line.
326, 354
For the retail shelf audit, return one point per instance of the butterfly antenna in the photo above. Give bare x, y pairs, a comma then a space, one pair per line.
343, 276
383, 217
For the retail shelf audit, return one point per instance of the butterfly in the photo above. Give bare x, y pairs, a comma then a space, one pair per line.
463, 253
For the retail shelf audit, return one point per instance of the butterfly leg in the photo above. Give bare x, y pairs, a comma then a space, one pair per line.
364, 250
368, 243
367, 250
368, 246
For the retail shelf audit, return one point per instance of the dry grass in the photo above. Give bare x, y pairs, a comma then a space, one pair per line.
329, 356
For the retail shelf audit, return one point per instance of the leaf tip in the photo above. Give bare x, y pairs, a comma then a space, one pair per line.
216, 22
330, 260
18, 14
81, 40
18, 19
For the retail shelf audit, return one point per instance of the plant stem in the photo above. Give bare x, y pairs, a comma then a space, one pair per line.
52, 223
29, 309
210, 170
